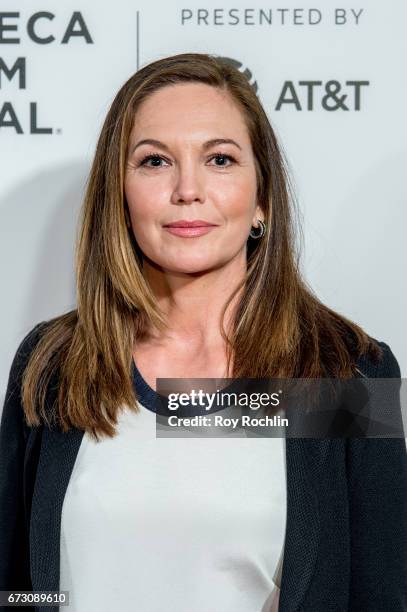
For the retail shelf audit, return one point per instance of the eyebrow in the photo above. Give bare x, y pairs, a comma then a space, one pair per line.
206, 145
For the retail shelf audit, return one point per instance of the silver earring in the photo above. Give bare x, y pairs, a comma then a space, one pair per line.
262, 230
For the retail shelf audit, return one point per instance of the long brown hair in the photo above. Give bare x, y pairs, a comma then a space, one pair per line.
280, 328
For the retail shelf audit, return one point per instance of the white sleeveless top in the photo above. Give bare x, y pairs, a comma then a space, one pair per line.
175, 524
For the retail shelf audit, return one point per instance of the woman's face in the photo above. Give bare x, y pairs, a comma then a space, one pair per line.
189, 178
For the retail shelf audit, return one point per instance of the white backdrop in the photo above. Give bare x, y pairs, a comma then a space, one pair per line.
348, 164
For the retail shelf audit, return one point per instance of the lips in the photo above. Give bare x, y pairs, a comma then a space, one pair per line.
196, 223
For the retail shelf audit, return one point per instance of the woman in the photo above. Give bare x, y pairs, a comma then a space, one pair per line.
91, 501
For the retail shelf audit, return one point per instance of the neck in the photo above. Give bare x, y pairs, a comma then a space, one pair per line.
193, 302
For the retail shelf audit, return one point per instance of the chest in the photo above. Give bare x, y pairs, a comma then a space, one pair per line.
314, 481
204, 511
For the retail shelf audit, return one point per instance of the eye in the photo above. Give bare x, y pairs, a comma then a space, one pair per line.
153, 157
223, 156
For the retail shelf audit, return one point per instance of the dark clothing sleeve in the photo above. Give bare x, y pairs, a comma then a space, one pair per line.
377, 480
14, 432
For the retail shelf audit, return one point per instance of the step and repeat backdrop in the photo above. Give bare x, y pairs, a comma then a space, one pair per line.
331, 76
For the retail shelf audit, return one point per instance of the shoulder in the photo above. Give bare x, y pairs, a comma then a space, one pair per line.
20, 360
386, 366
25, 348
367, 454
29, 341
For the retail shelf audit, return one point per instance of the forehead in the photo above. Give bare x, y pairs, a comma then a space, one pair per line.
189, 108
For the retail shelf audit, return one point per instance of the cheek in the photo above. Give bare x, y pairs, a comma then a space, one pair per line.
143, 199
236, 198
146, 202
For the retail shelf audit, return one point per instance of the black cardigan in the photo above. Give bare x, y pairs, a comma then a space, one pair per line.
346, 525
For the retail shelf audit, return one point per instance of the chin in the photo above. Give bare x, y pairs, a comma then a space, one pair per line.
191, 267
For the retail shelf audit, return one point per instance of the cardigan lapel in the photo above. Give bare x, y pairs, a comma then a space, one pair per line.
59, 450
305, 457
56, 461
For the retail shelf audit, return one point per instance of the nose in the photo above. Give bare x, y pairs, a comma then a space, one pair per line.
189, 184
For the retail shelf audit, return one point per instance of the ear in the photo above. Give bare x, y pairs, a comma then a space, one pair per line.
258, 214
